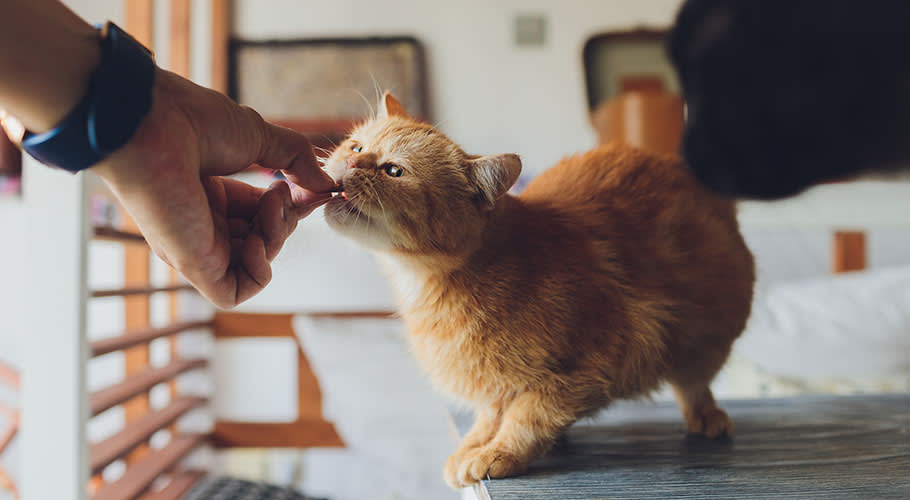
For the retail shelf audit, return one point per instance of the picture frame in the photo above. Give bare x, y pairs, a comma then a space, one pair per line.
322, 87
626, 60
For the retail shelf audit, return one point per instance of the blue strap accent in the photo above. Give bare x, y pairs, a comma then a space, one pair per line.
66, 144
118, 98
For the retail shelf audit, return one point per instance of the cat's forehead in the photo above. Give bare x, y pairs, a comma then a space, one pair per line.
403, 136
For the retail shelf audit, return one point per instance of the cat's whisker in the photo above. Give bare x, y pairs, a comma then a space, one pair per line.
376, 88
367, 101
379, 201
330, 141
440, 123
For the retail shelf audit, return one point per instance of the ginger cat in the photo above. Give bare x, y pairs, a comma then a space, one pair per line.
612, 272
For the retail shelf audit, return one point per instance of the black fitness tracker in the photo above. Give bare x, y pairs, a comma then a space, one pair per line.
118, 98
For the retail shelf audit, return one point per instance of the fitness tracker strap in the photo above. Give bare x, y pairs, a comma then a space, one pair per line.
118, 97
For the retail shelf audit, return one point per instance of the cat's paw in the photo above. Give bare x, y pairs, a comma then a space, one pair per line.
711, 423
450, 472
480, 463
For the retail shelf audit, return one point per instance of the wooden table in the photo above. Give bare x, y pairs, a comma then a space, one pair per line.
851, 447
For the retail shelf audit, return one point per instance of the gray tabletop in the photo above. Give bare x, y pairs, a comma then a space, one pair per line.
851, 447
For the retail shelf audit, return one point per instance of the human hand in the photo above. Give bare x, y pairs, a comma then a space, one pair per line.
220, 233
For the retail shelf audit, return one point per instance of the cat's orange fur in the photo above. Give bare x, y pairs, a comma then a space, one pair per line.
612, 272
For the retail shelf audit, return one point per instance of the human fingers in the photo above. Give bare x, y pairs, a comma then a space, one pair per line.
277, 218
302, 169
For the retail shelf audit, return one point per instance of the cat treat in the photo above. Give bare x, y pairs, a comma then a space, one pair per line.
612, 273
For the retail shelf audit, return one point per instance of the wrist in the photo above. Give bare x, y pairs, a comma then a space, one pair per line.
148, 155
46, 59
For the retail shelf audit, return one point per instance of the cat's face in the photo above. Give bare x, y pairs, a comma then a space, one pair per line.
410, 189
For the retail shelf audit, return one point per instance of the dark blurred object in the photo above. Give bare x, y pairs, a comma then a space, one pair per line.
784, 94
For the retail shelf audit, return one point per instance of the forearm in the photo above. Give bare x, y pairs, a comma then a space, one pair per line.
47, 54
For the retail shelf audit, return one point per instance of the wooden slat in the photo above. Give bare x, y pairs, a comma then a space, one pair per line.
108, 233
137, 309
849, 251
138, 432
179, 60
353, 314
140, 475
300, 434
137, 384
173, 347
140, 20
6, 482
221, 29
9, 376
9, 412
140, 290
143, 336
243, 325
180, 484
8, 434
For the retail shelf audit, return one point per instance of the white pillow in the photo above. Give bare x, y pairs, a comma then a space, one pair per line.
854, 325
395, 426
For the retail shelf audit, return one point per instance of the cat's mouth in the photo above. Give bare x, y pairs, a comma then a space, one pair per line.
342, 204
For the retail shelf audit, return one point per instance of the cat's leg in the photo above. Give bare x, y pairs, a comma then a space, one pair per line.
486, 424
701, 412
530, 426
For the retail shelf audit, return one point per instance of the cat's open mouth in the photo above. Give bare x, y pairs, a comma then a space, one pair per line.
343, 205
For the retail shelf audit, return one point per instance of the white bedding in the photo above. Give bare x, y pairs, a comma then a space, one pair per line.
841, 334
849, 325
393, 423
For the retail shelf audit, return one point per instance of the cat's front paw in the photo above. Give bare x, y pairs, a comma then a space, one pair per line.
450, 472
481, 463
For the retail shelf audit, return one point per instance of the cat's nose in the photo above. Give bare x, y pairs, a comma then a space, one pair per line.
362, 160
358, 162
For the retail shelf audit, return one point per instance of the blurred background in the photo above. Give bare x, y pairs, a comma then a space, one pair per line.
309, 385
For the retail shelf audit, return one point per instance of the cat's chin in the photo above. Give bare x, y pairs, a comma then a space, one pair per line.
346, 219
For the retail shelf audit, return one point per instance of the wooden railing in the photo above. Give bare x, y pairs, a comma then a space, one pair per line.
145, 467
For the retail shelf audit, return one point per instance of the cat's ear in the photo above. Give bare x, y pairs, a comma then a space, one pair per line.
389, 106
495, 174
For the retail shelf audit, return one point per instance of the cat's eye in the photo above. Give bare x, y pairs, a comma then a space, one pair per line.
356, 148
392, 170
